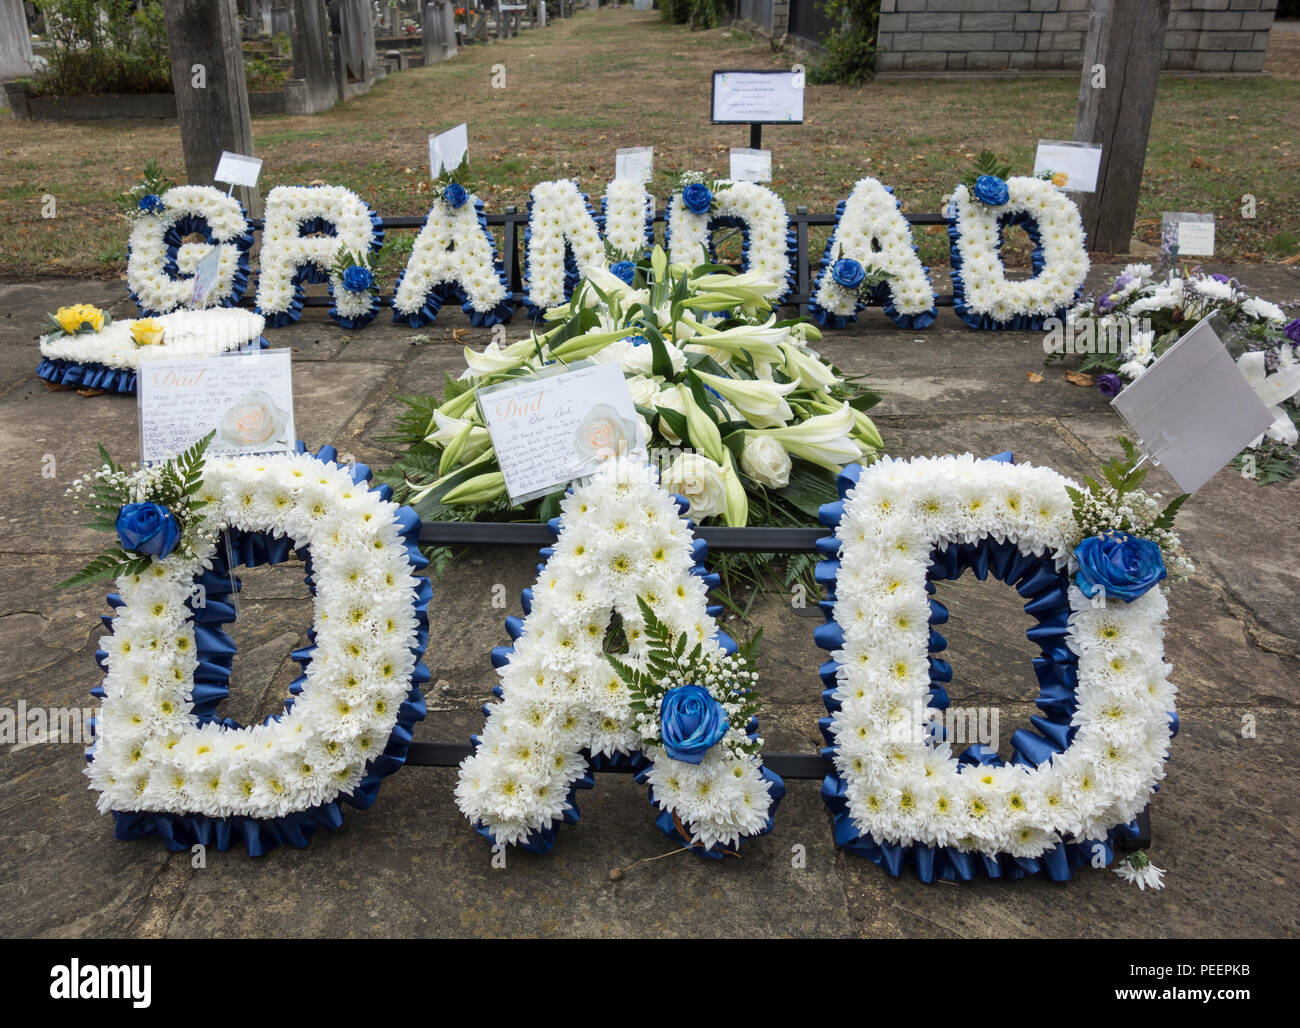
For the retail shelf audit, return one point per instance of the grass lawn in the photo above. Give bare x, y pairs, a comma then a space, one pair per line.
582, 87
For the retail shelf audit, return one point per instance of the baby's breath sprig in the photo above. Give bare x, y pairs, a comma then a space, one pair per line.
173, 484
1120, 506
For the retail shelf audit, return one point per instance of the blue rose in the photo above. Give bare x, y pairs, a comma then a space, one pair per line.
625, 270
691, 722
635, 340
848, 273
147, 528
152, 204
698, 198
357, 279
1121, 564
455, 195
991, 190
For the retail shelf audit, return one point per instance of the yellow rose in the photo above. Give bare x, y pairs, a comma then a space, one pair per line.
73, 319
147, 332
1060, 179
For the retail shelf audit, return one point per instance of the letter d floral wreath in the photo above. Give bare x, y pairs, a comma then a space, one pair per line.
163, 761
899, 795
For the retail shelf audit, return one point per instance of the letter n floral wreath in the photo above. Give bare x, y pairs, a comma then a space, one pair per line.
898, 794
163, 760
664, 694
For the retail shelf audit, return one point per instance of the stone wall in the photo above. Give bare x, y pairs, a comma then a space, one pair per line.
999, 35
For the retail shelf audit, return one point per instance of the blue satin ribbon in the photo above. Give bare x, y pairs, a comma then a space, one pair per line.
1046, 592
216, 651
541, 840
883, 294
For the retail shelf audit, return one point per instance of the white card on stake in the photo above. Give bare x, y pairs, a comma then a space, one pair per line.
635, 162
750, 165
237, 169
448, 149
1080, 162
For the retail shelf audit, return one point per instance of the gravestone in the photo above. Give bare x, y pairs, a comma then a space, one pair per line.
211, 96
1126, 44
352, 22
438, 31
312, 88
15, 41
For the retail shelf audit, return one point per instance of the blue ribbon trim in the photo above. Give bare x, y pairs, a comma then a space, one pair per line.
311, 273
216, 653
542, 839
452, 292
882, 294
1021, 322
188, 224
1046, 591
95, 376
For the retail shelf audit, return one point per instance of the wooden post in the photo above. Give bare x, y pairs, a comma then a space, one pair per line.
1117, 94
211, 97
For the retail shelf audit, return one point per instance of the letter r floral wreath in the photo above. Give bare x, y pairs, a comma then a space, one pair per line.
898, 794
163, 760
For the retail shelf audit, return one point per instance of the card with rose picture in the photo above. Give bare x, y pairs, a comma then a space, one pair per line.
560, 424
245, 399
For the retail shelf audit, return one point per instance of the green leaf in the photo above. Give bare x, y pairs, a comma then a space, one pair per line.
1166, 519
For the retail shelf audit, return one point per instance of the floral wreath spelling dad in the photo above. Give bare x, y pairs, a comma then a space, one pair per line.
618, 660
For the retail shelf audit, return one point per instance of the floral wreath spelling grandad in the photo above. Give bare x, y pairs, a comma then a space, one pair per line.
164, 761
86, 349
978, 213
662, 691
316, 234
898, 794
161, 264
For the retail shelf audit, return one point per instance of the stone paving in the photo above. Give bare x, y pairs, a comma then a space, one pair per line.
1225, 820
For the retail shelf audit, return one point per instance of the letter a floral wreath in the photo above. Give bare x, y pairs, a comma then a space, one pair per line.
163, 760
677, 708
899, 795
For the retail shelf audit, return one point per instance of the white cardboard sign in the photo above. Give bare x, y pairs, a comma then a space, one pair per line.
1193, 410
558, 425
758, 96
635, 162
1193, 234
1081, 162
205, 277
750, 165
246, 397
448, 149
237, 169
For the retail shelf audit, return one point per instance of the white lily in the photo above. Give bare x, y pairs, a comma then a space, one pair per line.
494, 360
825, 440
759, 342
762, 403
807, 369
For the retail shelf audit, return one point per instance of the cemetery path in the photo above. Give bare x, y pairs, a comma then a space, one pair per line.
571, 93
1224, 821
